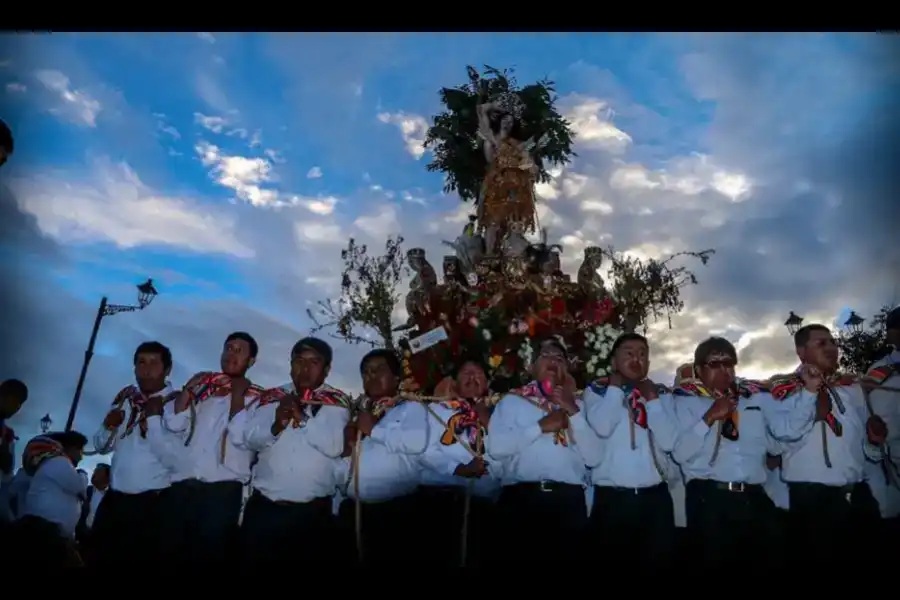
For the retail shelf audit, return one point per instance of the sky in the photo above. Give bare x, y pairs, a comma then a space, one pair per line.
232, 168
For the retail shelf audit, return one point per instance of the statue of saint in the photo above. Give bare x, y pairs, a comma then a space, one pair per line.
508, 189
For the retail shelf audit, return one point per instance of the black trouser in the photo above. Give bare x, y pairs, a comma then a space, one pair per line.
730, 523
34, 540
633, 522
546, 519
126, 528
442, 511
826, 520
388, 530
278, 531
199, 521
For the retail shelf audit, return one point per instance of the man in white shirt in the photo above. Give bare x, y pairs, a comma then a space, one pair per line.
126, 525
53, 501
298, 432
382, 471
535, 434
459, 488
202, 507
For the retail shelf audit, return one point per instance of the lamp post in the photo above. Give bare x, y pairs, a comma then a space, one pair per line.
854, 323
46, 423
793, 323
146, 293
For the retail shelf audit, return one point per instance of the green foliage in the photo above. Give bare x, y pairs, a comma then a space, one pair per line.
860, 350
649, 289
456, 146
368, 295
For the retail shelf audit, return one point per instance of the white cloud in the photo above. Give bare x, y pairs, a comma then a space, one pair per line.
413, 129
210, 123
15, 87
114, 205
314, 173
207, 37
591, 120
381, 224
76, 106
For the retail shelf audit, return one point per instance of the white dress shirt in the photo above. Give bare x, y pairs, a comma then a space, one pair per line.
528, 455
300, 464
439, 462
803, 461
885, 486
777, 489
55, 494
202, 459
388, 461
139, 463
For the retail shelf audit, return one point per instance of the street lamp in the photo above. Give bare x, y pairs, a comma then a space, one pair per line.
793, 323
146, 293
46, 423
854, 322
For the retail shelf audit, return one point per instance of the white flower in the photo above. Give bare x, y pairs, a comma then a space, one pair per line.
486, 334
601, 372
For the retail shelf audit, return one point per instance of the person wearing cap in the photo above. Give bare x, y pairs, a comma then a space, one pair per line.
298, 432
458, 488
632, 512
539, 436
381, 471
883, 477
727, 425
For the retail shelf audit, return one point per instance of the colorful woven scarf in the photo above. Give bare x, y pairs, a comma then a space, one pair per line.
324, 395
217, 385
37, 450
784, 386
743, 388
137, 403
464, 424
539, 394
633, 399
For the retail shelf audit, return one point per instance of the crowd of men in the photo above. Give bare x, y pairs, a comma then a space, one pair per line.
222, 470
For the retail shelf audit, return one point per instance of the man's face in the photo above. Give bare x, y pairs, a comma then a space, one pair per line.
717, 371
75, 455
308, 369
378, 380
820, 350
149, 371
236, 358
471, 382
100, 478
632, 360
550, 364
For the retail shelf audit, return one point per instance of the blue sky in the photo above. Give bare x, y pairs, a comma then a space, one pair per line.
233, 168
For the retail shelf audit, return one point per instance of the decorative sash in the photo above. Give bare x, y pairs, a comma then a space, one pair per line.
743, 388
378, 407
785, 386
137, 402
324, 395
38, 450
878, 375
539, 394
217, 385
464, 424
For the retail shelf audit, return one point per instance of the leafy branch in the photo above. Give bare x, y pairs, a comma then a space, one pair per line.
369, 287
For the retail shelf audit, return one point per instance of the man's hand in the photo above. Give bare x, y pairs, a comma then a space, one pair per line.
721, 408
474, 469
183, 400
564, 398
286, 411
876, 430
812, 377
366, 422
153, 407
484, 413
555, 421
648, 390
114, 418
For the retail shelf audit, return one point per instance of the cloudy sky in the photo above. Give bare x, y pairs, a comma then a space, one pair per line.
233, 168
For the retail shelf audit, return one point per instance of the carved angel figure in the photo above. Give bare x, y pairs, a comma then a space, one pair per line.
515, 245
588, 279
423, 283
469, 247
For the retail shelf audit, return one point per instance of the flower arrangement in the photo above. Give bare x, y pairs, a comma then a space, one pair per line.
597, 347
